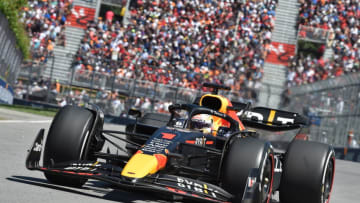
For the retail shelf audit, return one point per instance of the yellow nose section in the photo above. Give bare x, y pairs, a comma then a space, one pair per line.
140, 165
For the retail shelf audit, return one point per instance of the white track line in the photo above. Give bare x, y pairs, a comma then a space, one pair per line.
24, 121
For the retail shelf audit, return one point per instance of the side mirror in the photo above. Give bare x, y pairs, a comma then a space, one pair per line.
134, 112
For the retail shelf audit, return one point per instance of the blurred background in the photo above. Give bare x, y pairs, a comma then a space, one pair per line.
298, 55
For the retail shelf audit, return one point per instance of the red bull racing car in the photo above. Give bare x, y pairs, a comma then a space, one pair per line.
205, 151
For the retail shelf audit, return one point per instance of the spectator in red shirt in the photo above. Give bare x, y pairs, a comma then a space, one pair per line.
109, 16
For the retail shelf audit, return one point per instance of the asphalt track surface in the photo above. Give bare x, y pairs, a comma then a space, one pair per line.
17, 184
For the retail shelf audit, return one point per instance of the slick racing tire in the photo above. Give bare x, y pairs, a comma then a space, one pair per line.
244, 155
308, 173
67, 141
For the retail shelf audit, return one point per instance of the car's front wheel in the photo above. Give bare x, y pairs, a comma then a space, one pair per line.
67, 140
246, 162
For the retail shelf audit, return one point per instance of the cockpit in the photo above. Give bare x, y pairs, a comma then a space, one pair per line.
198, 118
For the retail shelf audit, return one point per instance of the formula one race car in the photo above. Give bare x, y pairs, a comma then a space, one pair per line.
205, 151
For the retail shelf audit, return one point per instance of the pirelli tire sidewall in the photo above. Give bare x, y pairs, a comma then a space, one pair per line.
304, 169
67, 140
241, 156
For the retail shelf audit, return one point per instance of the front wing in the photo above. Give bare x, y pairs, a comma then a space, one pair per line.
165, 183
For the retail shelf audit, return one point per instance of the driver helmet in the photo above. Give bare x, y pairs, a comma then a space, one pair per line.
202, 122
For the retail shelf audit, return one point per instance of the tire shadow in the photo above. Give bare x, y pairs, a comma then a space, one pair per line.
102, 190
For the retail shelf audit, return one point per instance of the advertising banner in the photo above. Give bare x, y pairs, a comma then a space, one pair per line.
80, 16
280, 53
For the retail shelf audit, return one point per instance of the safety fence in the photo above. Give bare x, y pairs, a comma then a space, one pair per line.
31, 70
114, 92
333, 107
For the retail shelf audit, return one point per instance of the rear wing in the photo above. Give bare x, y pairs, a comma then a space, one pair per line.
269, 119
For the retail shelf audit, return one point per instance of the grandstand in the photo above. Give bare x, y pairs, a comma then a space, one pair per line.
297, 54
335, 24
81, 12
233, 29
248, 45
178, 52
283, 46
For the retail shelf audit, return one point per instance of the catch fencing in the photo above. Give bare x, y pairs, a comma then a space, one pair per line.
117, 94
333, 107
155, 91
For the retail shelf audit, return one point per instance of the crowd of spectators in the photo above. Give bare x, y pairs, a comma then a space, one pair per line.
45, 23
183, 43
180, 43
342, 21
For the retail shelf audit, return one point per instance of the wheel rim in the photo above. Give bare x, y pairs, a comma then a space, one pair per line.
266, 182
328, 181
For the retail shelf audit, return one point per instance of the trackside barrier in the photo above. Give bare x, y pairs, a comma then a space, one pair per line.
158, 94
349, 154
333, 107
35, 104
118, 91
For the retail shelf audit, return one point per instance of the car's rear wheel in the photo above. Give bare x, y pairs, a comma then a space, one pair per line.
67, 140
243, 156
308, 173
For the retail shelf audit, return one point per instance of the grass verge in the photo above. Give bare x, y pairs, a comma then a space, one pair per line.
32, 110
